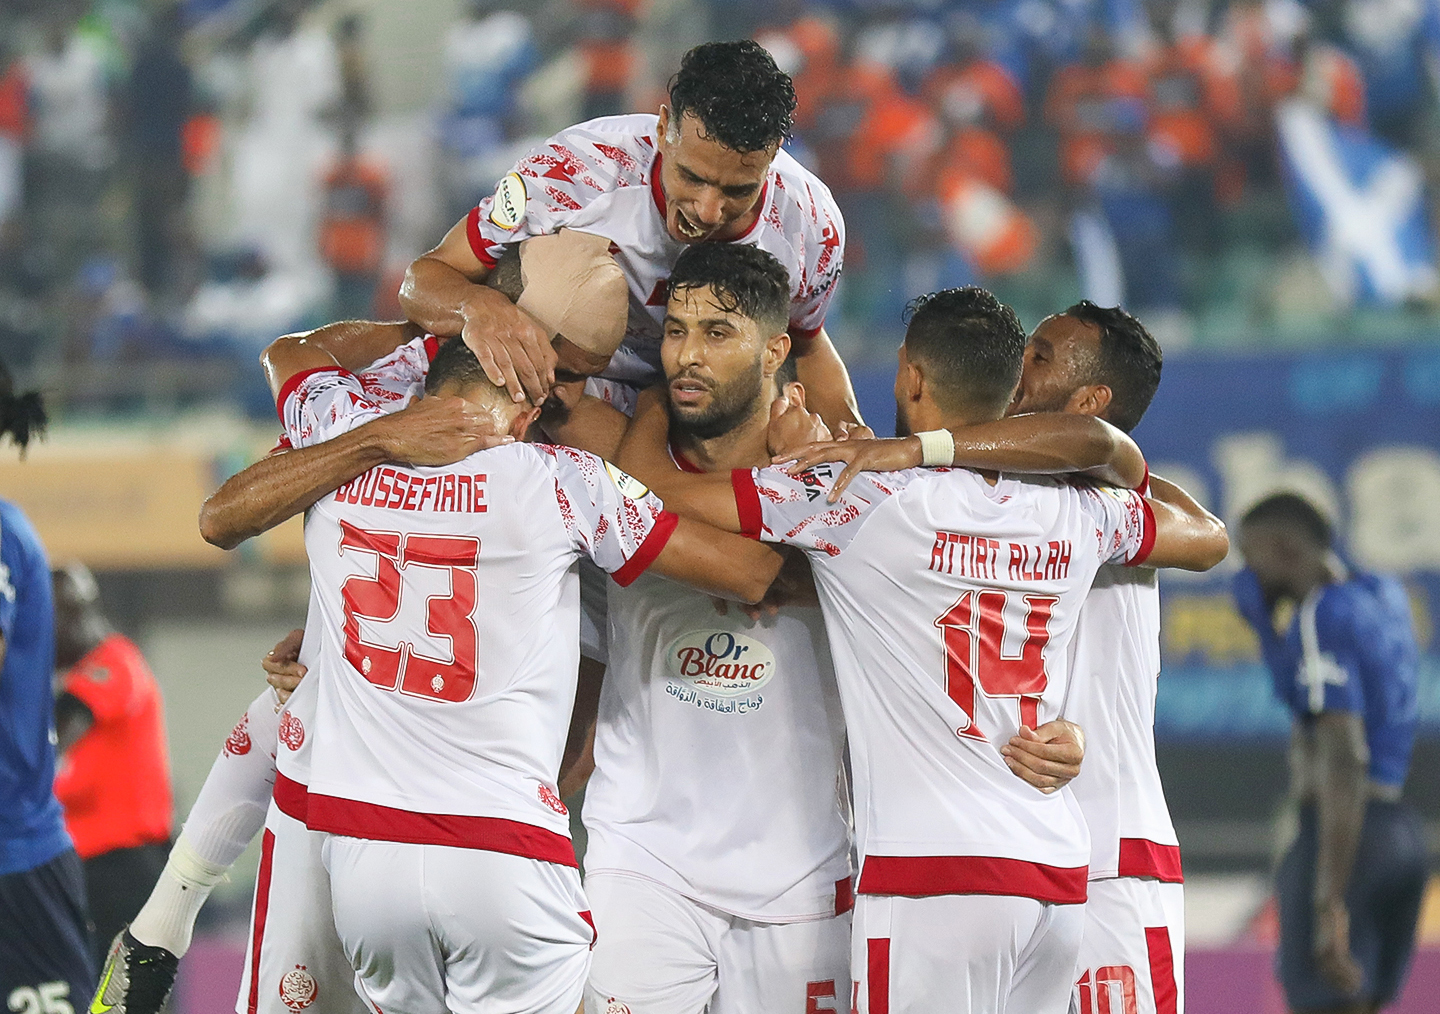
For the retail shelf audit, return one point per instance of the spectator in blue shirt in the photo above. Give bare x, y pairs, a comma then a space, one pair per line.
1343, 657
44, 928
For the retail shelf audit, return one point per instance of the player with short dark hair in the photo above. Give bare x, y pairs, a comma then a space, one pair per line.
1127, 359
45, 957
708, 168
970, 343
1345, 662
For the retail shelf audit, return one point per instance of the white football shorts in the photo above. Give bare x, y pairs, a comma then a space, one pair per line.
659, 952
963, 954
295, 961
433, 928
1132, 955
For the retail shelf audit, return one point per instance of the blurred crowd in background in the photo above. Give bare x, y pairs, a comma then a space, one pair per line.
181, 182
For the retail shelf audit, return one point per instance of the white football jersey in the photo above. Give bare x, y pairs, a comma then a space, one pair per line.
603, 177
448, 623
950, 605
718, 752
1116, 663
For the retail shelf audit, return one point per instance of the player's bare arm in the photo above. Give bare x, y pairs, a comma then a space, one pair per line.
1041, 443
444, 293
585, 422
1332, 748
822, 372
717, 562
1187, 536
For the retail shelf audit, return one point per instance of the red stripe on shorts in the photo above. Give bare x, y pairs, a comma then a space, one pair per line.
1162, 969
877, 973
262, 908
844, 895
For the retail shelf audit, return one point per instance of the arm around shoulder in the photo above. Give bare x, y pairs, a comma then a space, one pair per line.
1187, 536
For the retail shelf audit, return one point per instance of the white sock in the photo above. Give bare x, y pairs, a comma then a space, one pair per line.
168, 918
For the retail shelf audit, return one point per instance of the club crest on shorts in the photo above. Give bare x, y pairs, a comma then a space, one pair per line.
551, 798
292, 731
614, 1006
237, 744
507, 210
298, 988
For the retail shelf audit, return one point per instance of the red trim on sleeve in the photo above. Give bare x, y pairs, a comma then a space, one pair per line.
844, 895
643, 557
747, 502
478, 244
1147, 541
283, 444
432, 346
1144, 489
802, 334
924, 876
291, 798
288, 388
490, 834
1140, 857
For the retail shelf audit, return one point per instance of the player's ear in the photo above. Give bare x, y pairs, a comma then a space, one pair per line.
777, 350
1092, 399
521, 424
663, 127
911, 381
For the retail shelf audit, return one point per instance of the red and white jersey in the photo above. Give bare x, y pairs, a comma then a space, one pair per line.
718, 756
1115, 659
950, 605
447, 615
603, 177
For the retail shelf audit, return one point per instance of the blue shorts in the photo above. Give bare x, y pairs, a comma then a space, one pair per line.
1384, 895
45, 937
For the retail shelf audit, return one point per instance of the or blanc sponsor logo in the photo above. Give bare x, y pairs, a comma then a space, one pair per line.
292, 731
508, 209
721, 662
298, 988
626, 483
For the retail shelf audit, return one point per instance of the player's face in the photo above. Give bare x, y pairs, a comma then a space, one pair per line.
714, 362
1285, 562
1059, 359
573, 366
710, 190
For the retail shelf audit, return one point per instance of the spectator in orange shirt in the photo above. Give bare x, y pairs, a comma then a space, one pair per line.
1080, 101
114, 775
979, 103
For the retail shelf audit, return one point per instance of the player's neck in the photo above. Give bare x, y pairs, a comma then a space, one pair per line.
745, 446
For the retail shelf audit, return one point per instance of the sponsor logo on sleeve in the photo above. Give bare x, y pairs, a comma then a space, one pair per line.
507, 210
626, 483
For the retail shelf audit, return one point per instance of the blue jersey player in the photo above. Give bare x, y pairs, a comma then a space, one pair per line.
1345, 663
45, 965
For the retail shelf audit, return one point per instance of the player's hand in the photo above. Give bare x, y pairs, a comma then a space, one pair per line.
1048, 757
1333, 959
792, 426
793, 586
860, 455
283, 670
438, 431
513, 350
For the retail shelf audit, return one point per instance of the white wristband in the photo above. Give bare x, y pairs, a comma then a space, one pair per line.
937, 447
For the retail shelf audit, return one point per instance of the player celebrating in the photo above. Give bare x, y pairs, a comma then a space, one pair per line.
970, 882
708, 168
1345, 663
453, 879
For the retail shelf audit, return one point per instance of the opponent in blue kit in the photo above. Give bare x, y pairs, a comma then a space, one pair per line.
1346, 664
44, 929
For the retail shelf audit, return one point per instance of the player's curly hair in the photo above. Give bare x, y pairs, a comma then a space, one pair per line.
1292, 511
742, 99
745, 280
22, 416
971, 344
1129, 364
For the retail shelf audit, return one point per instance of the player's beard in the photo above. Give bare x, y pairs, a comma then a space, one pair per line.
731, 403
902, 426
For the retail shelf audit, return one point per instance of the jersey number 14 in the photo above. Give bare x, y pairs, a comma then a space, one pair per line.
974, 633
402, 666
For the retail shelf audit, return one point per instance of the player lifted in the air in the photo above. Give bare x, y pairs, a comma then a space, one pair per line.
950, 598
708, 168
